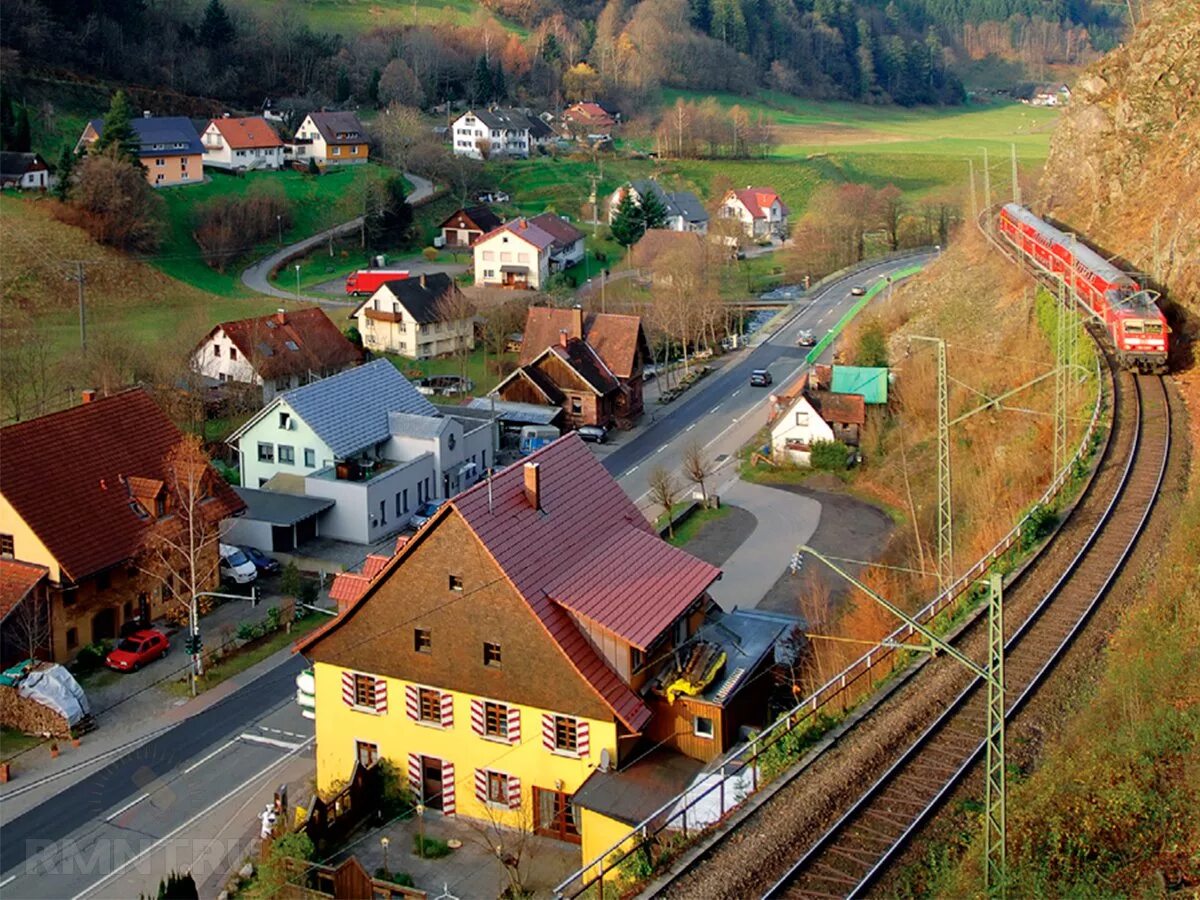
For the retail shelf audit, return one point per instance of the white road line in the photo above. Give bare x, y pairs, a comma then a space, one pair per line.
690, 427
128, 806
631, 471
8, 880
735, 393
198, 763
190, 822
714, 409
270, 742
662, 448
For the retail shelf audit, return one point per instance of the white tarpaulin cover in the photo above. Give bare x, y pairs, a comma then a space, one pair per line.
56, 688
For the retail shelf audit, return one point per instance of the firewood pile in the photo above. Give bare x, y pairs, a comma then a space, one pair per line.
29, 716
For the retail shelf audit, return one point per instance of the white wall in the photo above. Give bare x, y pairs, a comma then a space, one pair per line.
356, 516
506, 249
268, 431
800, 422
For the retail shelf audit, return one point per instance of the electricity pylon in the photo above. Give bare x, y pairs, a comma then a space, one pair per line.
945, 520
993, 677
1061, 377
1016, 181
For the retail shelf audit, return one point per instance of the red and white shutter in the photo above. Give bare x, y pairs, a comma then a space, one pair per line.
381, 695
548, 731
447, 709
414, 774
583, 737
448, 801
481, 780
514, 725
514, 792
412, 702
477, 717
348, 688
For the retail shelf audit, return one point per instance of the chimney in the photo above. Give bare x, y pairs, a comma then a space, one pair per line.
533, 484
281, 317
522, 224
422, 279
577, 321
89, 395
563, 337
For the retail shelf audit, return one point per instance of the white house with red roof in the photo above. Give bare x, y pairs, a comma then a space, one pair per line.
760, 210
242, 143
515, 255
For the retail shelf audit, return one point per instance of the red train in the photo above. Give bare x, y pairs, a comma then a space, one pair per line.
1136, 325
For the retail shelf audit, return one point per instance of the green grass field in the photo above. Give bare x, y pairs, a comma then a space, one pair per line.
317, 203
352, 17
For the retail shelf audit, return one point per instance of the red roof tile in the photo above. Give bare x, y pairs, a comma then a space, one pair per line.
17, 579
348, 587
840, 409
758, 200
615, 338
63, 475
374, 564
537, 237
290, 343
250, 133
556, 547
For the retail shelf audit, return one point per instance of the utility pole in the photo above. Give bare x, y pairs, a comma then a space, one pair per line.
974, 202
80, 278
595, 204
1061, 376
1016, 182
987, 181
994, 822
945, 520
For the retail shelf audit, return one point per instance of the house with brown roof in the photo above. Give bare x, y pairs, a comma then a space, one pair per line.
331, 138
567, 247
515, 255
24, 612
276, 352
511, 648
589, 365
804, 414
464, 226
420, 318
588, 119
760, 210
242, 143
79, 490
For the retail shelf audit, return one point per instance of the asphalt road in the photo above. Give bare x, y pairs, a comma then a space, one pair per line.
721, 402
70, 840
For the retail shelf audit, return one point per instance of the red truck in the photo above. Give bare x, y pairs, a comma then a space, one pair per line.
368, 281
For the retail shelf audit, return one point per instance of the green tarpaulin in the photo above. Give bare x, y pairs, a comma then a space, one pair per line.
871, 383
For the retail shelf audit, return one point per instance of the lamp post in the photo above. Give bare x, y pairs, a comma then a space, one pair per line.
421, 830
384, 842
279, 226
297, 282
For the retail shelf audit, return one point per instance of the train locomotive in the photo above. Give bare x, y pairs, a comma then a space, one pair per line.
1134, 322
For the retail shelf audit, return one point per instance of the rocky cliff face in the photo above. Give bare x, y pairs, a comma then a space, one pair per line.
1124, 166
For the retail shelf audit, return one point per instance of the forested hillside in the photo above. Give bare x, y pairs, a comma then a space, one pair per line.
546, 52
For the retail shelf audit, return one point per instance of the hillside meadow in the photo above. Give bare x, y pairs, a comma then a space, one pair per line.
353, 17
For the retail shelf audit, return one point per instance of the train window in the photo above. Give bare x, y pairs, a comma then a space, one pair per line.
1153, 327
1132, 326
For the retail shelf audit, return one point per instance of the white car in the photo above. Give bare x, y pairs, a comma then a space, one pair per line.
236, 565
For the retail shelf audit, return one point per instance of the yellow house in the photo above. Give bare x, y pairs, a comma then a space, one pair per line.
168, 148
332, 139
497, 658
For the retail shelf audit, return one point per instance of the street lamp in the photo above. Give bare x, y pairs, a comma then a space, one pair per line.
297, 282
384, 842
279, 225
421, 830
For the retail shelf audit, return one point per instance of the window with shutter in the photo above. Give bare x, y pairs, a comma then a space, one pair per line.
495, 720
430, 706
477, 716
514, 725
449, 801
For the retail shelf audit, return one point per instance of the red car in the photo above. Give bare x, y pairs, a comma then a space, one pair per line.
137, 649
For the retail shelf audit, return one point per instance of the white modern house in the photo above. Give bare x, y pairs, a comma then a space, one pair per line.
366, 440
497, 132
249, 143
515, 255
760, 211
419, 317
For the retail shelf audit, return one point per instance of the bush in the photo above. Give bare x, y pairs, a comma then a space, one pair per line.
226, 226
430, 254
430, 848
401, 878
290, 582
111, 200
313, 168
296, 845
830, 456
178, 887
90, 657
245, 632
872, 346
1039, 524
396, 797
354, 336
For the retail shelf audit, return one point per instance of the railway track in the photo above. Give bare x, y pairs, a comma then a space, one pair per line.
846, 859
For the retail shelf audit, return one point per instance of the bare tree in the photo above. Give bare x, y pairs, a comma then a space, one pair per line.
452, 310
29, 375
28, 625
181, 548
399, 130
664, 492
508, 836
698, 468
114, 202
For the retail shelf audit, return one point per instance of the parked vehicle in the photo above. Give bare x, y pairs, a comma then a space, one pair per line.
425, 512
265, 565
760, 378
135, 651
593, 434
857, 291
368, 281
806, 338
446, 385
236, 566
536, 436
649, 372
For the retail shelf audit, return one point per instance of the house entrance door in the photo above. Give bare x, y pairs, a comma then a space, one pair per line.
431, 782
104, 624
555, 815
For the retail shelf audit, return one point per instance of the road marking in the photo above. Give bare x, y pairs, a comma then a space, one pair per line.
735, 393
714, 409
631, 471
198, 763
662, 448
8, 880
170, 836
128, 806
690, 427
270, 742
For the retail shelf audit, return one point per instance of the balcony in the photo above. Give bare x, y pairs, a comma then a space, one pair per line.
359, 471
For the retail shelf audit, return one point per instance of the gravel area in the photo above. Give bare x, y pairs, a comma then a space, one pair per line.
717, 539
759, 851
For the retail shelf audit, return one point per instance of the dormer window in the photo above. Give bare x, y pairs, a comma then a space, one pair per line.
285, 420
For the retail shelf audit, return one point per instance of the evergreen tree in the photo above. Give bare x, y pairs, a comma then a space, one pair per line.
481, 82
7, 122
868, 87
22, 139
118, 129
499, 86
627, 225
373, 87
652, 211
341, 91
216, 28
64, 170
313, 168
550, 48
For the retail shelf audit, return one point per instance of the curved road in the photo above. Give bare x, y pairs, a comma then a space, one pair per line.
256, 277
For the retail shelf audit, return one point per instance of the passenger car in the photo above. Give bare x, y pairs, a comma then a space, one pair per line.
265, 565
593, 434
806, 338
857, 291
760, 378
425, 512
141, 647
236, 566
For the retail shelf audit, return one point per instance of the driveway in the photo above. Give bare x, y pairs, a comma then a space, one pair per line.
256, 277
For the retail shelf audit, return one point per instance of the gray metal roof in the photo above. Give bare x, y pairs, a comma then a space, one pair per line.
349, 411
689, 206
417, 426
511, 411
280, 509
